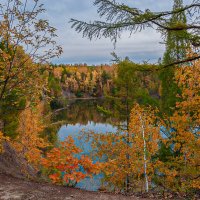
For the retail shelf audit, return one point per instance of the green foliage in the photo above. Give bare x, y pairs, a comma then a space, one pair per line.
169, 91
104, 111
105, 76
131, 85
50, 133
10, 109
23, 35
164, 153
120, 17
55, 104
144, 98
79, 94
176, 46
54, 85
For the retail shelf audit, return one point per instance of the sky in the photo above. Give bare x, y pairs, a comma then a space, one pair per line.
142, 46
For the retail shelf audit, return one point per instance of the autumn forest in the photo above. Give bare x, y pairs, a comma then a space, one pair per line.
152, 109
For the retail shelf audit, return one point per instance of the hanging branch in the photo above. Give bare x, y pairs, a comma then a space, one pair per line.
120, 17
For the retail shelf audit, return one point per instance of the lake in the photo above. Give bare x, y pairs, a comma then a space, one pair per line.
84, 115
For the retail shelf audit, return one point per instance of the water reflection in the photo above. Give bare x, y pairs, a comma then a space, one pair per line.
75, 129
83, 115
84, 111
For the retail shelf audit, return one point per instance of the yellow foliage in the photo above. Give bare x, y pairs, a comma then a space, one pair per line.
182, 170
29, 143
124, 151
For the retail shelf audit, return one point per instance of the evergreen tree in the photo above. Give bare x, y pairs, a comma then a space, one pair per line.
120, 17
176, 46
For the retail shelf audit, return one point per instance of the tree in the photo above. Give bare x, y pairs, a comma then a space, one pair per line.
21, 28
179, 170
131, 85
145, 128
29, 142
127, 83
128, 165
26, 86
121, 17
64, 167
26, 42
176, 47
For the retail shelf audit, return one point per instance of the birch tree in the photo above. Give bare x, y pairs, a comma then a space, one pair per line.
145, 129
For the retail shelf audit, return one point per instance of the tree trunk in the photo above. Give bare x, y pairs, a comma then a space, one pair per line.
145, 156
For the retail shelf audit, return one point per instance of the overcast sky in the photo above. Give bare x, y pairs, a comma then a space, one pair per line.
143, 46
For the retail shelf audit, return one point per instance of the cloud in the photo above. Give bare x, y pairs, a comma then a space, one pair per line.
141, 46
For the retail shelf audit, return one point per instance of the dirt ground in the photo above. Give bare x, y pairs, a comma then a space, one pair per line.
13, 188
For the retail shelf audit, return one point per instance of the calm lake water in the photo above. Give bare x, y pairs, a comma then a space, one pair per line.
84, 115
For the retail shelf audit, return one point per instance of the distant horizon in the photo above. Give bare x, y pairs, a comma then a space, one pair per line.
96, 64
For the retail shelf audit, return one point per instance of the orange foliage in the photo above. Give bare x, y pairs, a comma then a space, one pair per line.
63, 165
136, 155
92, 80
182, 169
29, 143
124, 151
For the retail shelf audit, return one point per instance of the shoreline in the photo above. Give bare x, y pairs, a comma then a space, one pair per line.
85, 98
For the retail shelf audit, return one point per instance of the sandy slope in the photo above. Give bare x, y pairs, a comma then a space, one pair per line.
13, 188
